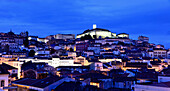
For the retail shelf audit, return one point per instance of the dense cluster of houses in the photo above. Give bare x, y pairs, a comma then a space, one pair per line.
96, 60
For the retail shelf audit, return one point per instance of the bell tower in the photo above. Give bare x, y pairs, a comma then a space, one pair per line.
94, 26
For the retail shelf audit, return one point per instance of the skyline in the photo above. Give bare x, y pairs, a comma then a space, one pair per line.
147, 18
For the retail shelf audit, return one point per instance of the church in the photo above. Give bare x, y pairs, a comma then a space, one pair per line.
97, 33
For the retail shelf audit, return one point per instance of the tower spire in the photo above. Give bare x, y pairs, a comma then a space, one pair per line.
94, 26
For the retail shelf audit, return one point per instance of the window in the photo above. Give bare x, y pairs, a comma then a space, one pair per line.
113, 83
2, 83
133, 83
15, 64
13, 71
124, 84
155, 52
163, 53
128, 83
160, 79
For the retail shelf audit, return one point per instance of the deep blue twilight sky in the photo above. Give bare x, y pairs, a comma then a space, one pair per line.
46, 17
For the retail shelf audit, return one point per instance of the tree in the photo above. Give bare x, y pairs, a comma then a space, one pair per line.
31, 53
71, 50
26, 41
94, 36
52, 51
86, 37
6, 48
24, 50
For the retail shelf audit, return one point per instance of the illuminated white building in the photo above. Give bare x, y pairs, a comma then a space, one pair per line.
109, 60
33, 38
42, 40
3, 79
96, 66
123, 35
64, 36
55, 62
159, 53
16, 64
98, 32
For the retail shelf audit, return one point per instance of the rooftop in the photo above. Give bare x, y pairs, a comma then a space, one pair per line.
41, 83
7, 67
96, 29
94, 75
68, 86
162, 84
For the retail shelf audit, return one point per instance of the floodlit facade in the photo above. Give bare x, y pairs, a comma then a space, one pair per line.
103, 33
3, 80
123, 35
64, 36
109, 60
159, 53
42, 40
55, 62
154, 87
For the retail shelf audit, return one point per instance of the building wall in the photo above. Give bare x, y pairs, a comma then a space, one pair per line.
143, 38
107, 83
4, 59
64, 36
89, 53
117, 39
81, 47
19, 41
16, 64
157, 67
123, 35
168, 60
95, 49
43, 52
55, 62
97, 66
150, 88
81, 60
168, 54
48, 88
100, 41
54, 85
151, 54
72, 54
32, 38
4, 77
109, 60
159, 53
13, 71
163, 79
126, 84
98, 33
43, 40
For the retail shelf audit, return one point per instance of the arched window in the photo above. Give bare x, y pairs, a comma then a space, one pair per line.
2, 83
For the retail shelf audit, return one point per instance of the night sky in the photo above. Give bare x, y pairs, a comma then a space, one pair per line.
46, 17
